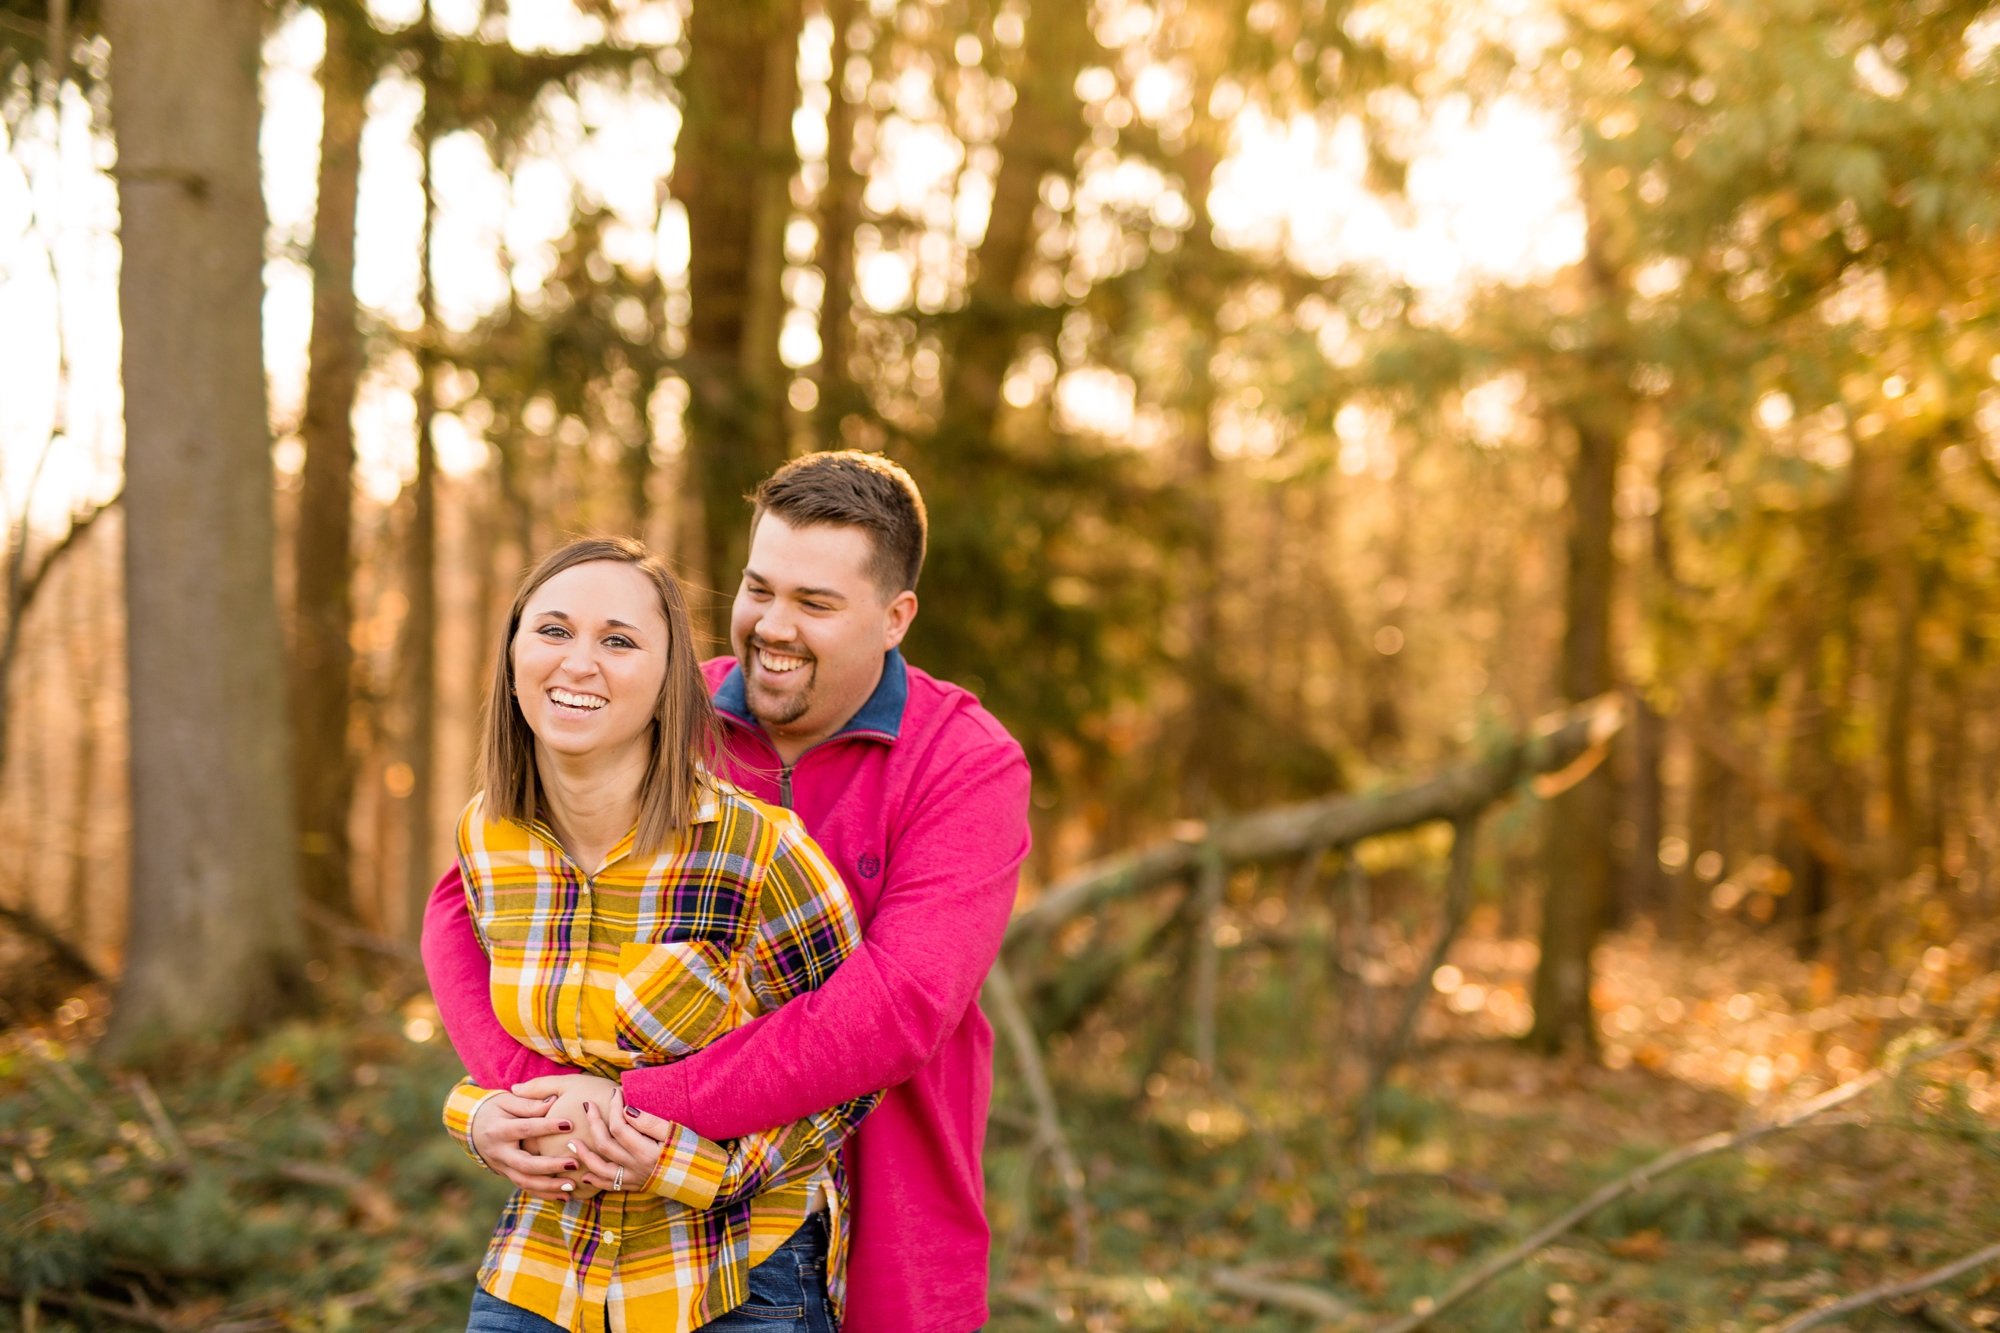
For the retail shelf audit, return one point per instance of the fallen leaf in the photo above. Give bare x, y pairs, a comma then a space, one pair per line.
1648, 1244
1362, 1272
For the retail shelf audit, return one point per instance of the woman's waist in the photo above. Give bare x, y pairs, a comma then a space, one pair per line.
632, 1216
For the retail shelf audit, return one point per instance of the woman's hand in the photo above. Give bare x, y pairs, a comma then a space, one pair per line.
620, 1146
499, 1132
571, 1093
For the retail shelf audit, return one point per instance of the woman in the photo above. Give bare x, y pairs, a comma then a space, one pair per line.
633, 908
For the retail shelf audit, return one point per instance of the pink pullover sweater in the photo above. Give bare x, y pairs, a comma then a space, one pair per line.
921, 801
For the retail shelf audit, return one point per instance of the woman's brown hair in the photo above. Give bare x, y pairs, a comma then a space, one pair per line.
683, 725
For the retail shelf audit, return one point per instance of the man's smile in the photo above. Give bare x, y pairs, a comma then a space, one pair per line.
778, 663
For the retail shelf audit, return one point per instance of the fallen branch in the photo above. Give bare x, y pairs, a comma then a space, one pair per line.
1458, 903
1207, 958
124, 1314
1003, 1003
366, 1197
1286, 1295
1287, 831
170, 1138
1889, 1291
1674, 1160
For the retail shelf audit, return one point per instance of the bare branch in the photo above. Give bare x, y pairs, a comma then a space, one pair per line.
163, 1125
1458, 902
31, 583
1888, 1291
1003, 1003
1298, 1296
29, 923
1207, 958
1286, 831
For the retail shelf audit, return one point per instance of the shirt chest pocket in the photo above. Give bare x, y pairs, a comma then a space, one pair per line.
671, 999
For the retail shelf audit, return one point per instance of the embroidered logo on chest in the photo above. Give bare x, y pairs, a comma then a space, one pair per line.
870, 865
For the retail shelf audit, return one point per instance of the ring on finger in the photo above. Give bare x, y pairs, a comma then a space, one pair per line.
618, 1181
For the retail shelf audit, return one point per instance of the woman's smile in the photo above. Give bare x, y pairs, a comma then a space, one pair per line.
575, 703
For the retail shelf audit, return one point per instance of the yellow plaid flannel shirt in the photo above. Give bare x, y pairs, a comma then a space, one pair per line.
648, 960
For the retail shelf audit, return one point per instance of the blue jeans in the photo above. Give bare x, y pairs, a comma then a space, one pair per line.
787, 1295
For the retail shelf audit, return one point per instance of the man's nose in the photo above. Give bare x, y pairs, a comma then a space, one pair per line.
776, 625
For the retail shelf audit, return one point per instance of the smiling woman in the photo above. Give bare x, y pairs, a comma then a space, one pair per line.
632, 907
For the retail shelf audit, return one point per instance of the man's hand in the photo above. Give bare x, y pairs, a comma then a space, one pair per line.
572, 1092
499, 1133
621, 1146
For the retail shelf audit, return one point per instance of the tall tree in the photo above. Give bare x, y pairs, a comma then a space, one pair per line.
1576, 860
418, 650
214, 940
734, 165
322, 655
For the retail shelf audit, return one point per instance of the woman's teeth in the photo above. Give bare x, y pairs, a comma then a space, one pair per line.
777, 663
569, 700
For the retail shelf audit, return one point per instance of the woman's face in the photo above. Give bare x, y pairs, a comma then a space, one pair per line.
590, 659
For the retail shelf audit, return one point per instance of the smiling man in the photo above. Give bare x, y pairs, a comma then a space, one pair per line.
920, 799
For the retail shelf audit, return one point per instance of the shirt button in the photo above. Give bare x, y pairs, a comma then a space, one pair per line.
610, 1238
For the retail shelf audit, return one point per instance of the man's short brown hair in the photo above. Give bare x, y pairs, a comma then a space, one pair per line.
847, 488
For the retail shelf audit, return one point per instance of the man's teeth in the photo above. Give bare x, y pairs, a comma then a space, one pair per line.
777, 663
576, 700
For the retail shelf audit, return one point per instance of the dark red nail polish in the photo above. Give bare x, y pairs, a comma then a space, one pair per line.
563, 1125
632, 1111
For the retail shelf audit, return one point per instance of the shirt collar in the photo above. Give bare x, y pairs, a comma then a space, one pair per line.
880, 719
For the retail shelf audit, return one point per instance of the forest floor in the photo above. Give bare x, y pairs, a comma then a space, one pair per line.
1480, 1141
302, 1184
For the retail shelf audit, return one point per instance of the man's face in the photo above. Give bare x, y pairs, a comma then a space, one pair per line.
810, 626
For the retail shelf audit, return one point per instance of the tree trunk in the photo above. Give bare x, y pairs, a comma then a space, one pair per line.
214, 936
419, 649
735, 164
840, 214
1645, 887
1043, 132
1899, 716
322, 654
1577, 834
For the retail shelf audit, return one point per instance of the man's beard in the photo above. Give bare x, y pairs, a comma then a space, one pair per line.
792, 707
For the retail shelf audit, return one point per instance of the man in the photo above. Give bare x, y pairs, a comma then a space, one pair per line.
919, 797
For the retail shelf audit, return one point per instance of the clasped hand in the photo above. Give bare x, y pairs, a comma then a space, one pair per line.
568, 1136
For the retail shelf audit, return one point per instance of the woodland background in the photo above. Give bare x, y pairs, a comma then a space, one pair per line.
1483, 516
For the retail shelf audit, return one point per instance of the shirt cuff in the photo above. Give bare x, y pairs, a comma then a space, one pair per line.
460, 1107
690, 1169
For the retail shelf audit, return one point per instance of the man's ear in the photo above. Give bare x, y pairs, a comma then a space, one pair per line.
902, 610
